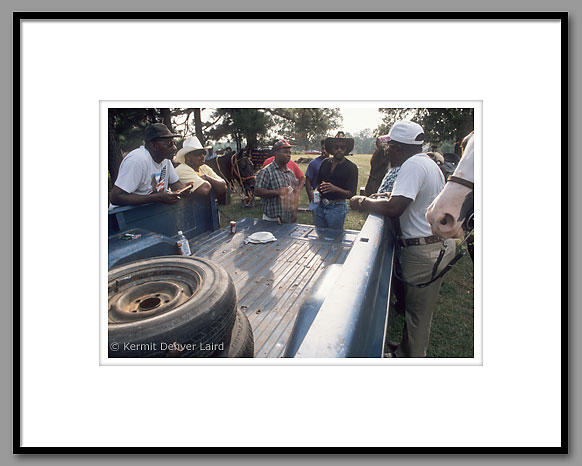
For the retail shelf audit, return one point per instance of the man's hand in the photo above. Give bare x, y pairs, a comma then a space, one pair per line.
355, 202
392, 207
121, 197
285, 191
164, 197
326, 187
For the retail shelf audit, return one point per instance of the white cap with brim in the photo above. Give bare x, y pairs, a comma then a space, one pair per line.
407, 132
190, 144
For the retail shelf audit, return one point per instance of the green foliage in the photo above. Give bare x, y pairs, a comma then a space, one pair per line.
130, 123
440, 124
263, 126
364, 141
306, 126
248, 124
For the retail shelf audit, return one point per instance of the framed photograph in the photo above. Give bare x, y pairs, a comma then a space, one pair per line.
187, 286
312, 290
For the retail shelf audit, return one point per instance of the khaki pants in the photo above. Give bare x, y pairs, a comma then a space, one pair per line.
417, 263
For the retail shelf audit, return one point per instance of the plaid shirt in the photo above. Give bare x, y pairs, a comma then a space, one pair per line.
274, 177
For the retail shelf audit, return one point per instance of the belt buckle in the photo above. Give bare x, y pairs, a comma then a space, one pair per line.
325, 202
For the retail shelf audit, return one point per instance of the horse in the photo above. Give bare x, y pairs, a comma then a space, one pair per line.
236, 169
451, 212
378, 168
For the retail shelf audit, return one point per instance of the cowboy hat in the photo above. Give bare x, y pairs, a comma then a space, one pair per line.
190, 144
349, 142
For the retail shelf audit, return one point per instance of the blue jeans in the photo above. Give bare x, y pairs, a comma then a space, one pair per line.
331, 216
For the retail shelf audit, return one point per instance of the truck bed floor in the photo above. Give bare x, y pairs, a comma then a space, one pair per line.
273, 280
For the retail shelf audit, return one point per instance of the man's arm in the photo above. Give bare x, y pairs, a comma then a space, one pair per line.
302, 182
263, 192
308, 188
120, 197
326, 187
177, 185
219, 186
203, 189
393, 207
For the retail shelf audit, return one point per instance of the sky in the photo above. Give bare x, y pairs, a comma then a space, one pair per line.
357, 119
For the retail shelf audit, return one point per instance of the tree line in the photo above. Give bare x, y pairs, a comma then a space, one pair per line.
258, 127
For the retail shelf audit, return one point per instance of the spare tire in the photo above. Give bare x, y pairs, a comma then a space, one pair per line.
242, 343
170, 306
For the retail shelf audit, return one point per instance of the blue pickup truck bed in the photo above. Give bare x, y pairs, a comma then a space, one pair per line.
313, 293
274, 280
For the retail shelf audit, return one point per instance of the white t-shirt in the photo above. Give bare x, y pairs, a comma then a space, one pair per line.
421, 180
139, 174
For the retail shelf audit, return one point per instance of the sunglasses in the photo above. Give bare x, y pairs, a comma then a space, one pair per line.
167, 144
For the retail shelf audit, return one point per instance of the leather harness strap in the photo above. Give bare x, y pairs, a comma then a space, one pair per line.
456, 179
236, 169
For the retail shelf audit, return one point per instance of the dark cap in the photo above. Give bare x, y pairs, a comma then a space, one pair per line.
158, 130
281, 144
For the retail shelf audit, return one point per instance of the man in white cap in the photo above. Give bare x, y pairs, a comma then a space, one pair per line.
192, 169
418, 182
146, 174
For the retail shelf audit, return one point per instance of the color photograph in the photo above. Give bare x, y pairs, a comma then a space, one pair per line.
322, 232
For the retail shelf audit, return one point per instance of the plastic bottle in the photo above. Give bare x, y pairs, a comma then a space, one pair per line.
183, 245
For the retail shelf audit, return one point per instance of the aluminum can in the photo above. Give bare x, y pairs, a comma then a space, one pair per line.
232, 227
316, 197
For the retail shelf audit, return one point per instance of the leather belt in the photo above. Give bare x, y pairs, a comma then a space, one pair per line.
327, 202
404, 242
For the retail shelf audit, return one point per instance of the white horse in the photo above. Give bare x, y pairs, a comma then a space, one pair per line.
444, 214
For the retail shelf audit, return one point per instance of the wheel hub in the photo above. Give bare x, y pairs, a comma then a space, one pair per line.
135, 298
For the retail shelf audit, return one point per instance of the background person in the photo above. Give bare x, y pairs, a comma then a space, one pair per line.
337, 181
451, 162
438, 158
210, 154
293, 167
277, 186
313, 170
191, 168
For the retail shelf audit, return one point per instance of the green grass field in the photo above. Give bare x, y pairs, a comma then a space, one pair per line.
452, 334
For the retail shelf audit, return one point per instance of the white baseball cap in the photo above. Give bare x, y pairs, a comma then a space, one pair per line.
407, 132
191, 143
